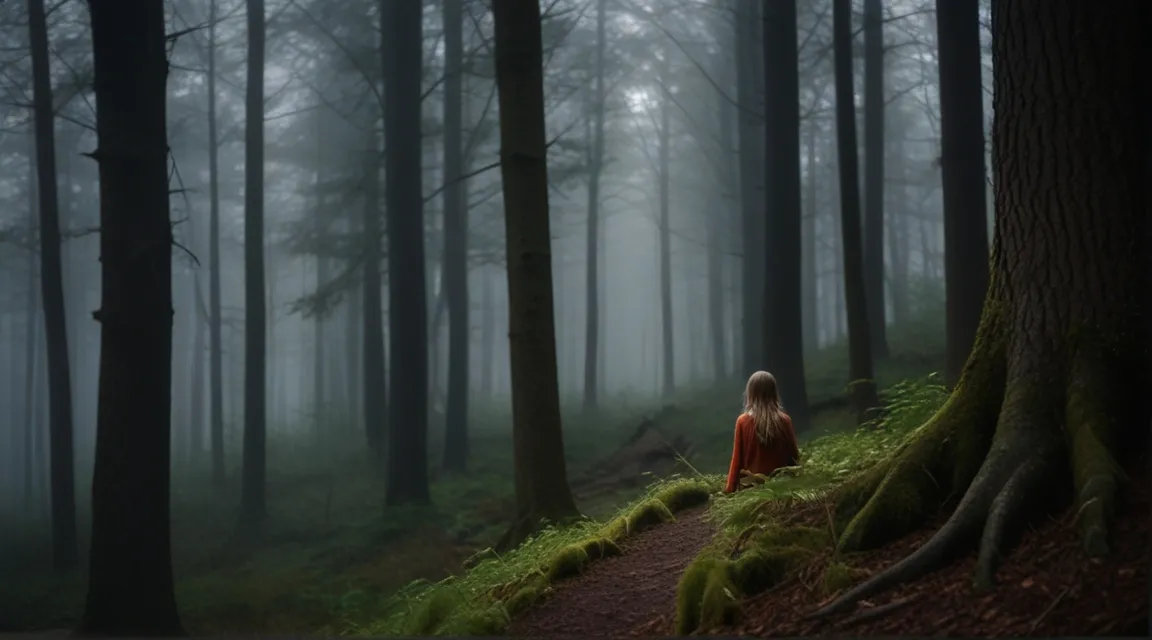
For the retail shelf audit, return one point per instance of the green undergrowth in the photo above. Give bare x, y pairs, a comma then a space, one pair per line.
785, 527
494, 588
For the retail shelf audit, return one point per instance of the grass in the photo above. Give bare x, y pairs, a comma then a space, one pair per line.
335, 561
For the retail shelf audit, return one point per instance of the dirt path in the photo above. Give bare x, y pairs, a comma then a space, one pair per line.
616, 594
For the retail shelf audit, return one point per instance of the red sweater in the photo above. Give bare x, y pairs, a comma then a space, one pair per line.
748, 454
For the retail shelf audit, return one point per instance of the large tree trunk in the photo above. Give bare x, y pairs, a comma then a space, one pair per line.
65, 552
541, 477
862, 386
962, 165
130, 591
252, 507
215, 338
1052, 392
782, 304
750, 100
592, 254
455, 259
407, 294
874, 175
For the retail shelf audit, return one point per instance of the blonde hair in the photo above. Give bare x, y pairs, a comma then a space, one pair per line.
762, 403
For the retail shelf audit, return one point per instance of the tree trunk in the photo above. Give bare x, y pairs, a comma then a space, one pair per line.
374, 392
1051, 395
782, 301
130, 590
252, 507
488, 336
874, 176
541, 479
808, 278
862, 386
592, 255
199, 316
455, 243
669, 359
31, 317
215, 338
407, 294
65, 552
750, 100
962, 177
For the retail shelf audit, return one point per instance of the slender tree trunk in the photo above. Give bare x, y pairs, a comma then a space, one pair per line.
215, 339
255, 400
669, 361
782, 301
130, 585
488, 337
30, 344
541, 479
65, 550
592, 253
372, 358
962, 177
750, 99
874, 176
808, 266
199, 316
863, 387
455, 243
407, 293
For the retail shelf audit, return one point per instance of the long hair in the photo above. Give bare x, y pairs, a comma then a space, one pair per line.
762, 403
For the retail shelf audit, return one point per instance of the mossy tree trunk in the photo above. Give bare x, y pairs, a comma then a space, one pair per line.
542, 491
1053, 387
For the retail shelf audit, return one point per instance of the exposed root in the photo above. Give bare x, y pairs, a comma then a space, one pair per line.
1024, 484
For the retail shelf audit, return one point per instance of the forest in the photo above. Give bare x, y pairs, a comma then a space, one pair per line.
433, 317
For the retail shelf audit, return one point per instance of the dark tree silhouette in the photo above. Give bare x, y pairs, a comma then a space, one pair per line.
542, 491
130, 589
65, 549
962, 177
1052, 393
782, 302
873, 226
862, 386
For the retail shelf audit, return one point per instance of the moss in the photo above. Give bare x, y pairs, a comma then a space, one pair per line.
432, 612
683, 495
720, 601
809, 538
490, 621
839, 576
567, 562
598, 548
690, 593
646, 515
526, 596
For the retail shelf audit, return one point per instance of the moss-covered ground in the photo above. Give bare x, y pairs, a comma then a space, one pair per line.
334, 560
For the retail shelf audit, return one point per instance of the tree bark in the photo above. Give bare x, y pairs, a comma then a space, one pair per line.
65, 551
541, 479
374, 391
669, 352
750, 96
962, 177
455, 243
215, 338
407, 293
874, 176
862, 386
252, 507
809, 279
592, 254
130, 590
1051, 396
782, 302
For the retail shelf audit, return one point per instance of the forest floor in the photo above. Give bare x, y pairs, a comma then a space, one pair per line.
330, 563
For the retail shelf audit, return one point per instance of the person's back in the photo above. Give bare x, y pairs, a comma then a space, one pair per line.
765, 440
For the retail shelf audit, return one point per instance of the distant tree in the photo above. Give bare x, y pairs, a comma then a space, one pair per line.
663, 65
593, 312
1053, 391
962, 177
542, 491
873, 225
455, 242
374, 392
780, 255
130, 590
252, 505
750, 92
862, 386
215, 332
407, 292
65, 550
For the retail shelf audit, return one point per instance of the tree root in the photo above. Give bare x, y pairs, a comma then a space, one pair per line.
1018, 473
